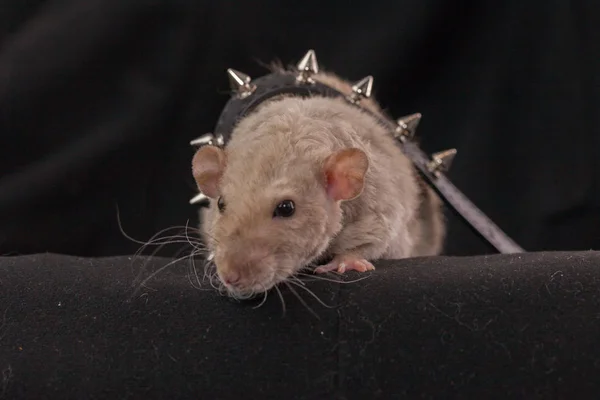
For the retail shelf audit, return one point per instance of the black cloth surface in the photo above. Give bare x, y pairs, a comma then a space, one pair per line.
99, 99
500, 326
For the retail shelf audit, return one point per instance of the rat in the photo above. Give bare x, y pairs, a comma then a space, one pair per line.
307, 179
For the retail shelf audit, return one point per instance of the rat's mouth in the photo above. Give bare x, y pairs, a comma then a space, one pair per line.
245, 290
258, 288
250, 293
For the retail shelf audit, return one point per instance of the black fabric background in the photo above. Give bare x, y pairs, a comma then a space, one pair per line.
486, 327
100, 98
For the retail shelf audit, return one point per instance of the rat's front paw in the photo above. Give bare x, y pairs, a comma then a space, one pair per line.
342, 264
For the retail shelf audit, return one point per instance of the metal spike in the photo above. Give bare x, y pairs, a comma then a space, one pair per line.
237, 79
441, 161
362, 89
407, 127
199, 198
240, 83
219, 140
203, 140
209, 139
307, 67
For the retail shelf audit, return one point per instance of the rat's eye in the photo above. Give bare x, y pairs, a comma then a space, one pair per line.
221, 204
284, 209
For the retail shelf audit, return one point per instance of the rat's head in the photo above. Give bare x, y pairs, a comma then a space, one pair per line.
275, 206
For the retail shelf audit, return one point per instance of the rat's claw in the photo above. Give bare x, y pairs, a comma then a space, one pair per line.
326, 268
362, 266
343, 264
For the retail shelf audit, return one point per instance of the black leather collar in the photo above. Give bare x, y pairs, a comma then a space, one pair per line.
266, 87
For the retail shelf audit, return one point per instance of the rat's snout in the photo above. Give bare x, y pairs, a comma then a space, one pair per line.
231, 277
246, 270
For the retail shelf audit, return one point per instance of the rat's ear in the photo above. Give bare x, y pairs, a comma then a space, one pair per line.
208, 165
345, 173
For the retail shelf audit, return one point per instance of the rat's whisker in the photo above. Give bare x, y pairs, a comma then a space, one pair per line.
321, 278
194, 270
129, 237
216, 283
173, 238
153, 238
123, 230
157, 272
244, 295
232, 295
157, 236
301, 300
181, 250
161, 241
208, 265
148, 260
281, 298
296, 279
182, 228
191, 281
313, 294
188, 237
197, 240
264, 298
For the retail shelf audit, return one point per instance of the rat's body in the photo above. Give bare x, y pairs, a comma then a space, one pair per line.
356, 197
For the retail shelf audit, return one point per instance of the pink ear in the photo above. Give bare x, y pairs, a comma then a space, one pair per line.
345, 173
207, 167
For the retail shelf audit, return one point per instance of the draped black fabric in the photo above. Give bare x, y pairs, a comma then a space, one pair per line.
100, 98
485, 327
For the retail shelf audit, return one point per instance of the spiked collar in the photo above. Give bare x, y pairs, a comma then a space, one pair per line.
247, 94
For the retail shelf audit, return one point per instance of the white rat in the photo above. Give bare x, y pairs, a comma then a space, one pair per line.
306, 178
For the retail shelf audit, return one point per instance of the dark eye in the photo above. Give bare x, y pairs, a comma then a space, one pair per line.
221, 204
284, 209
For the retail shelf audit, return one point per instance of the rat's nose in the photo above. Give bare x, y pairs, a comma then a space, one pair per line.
231, 278
241, 270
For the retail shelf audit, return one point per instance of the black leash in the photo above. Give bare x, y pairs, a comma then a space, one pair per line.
248, 94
